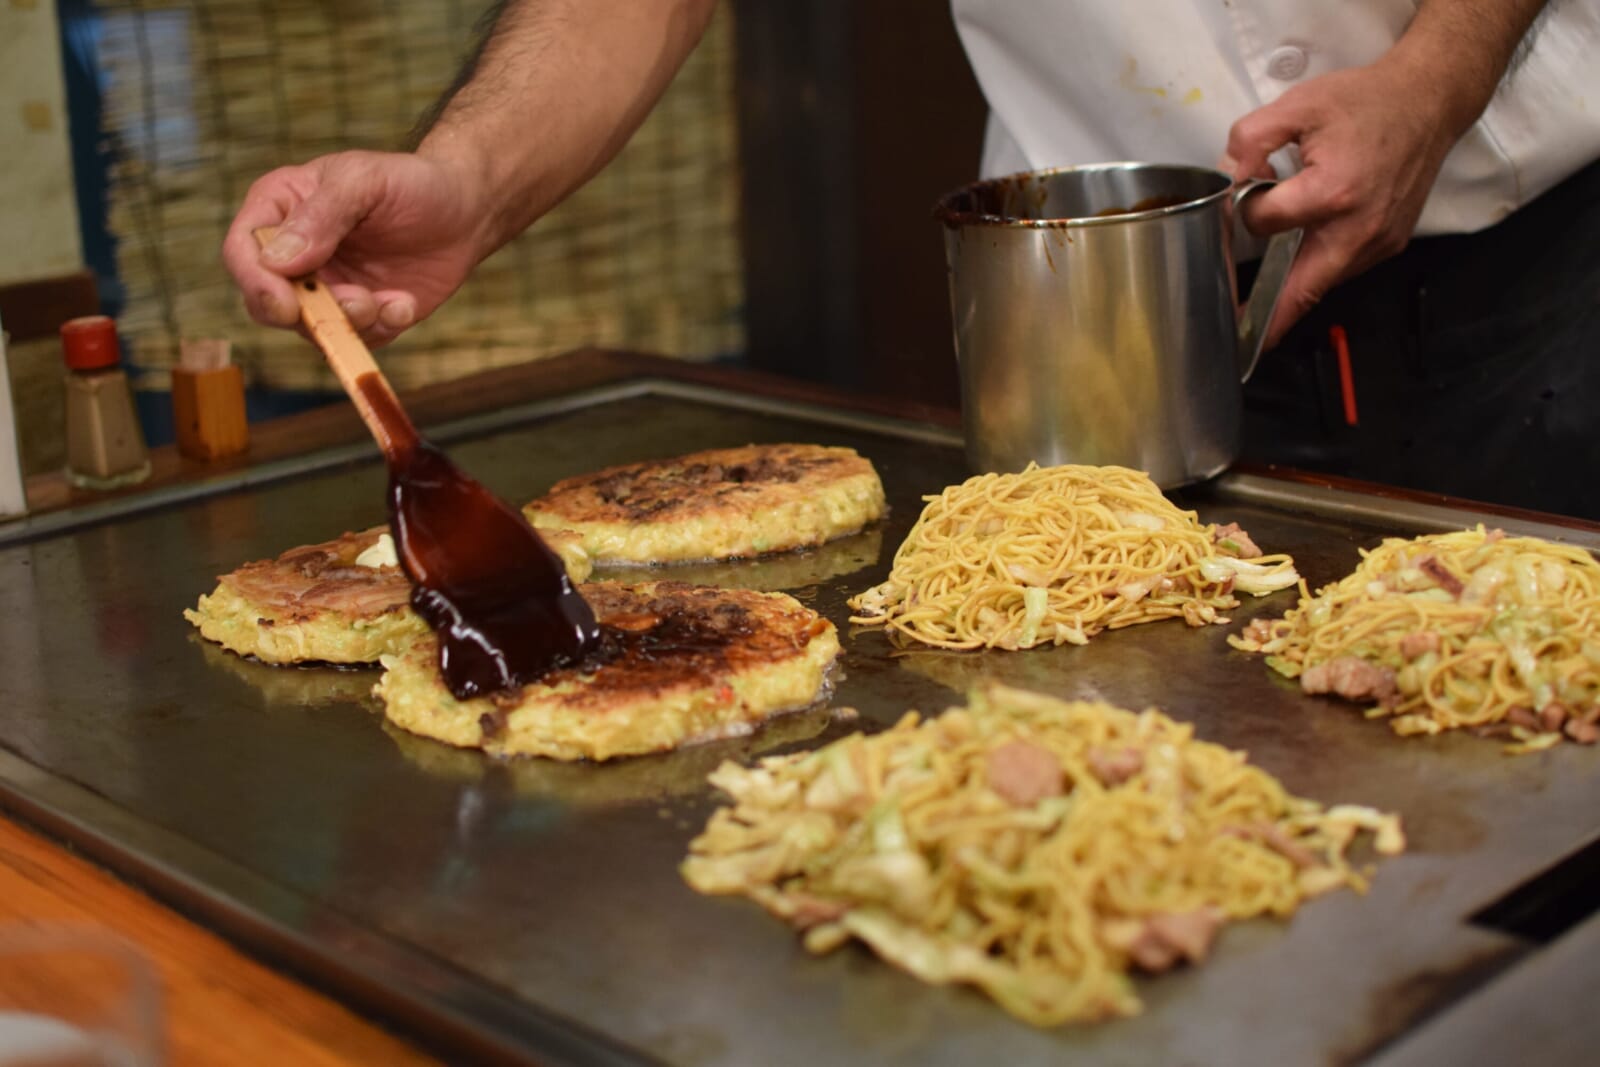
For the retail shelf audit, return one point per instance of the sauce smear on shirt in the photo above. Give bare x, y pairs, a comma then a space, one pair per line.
497, 596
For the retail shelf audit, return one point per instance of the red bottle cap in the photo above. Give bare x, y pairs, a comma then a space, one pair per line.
89, 343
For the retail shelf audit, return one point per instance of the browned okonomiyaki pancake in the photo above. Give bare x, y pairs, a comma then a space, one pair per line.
317, 603
726, 503
677, 664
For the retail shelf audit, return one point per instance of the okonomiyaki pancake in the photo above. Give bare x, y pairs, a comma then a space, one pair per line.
677, 664
342, 601
726, 503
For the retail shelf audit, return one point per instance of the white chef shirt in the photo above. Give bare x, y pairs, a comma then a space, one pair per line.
1090, 81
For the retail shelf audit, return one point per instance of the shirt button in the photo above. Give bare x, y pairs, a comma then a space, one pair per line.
1286, 63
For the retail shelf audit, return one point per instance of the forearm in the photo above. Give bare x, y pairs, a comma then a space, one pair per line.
557, 89
1464, 48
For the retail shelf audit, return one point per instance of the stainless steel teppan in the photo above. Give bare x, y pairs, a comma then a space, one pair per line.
1097, 320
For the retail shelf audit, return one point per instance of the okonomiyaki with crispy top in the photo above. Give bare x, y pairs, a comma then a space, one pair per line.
342, 601
721, 504
677, 664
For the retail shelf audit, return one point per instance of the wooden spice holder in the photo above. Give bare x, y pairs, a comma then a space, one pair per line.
208, 402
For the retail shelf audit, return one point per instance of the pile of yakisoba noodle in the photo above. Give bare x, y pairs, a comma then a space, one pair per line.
1468, 629
1035, 848
1054, 555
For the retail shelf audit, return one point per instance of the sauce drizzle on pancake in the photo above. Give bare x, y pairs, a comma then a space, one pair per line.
677, 664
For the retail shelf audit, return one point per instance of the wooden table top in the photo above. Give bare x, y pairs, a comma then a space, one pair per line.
221, 1005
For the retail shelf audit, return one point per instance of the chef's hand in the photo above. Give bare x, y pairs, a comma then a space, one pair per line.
392, 234
1372, 141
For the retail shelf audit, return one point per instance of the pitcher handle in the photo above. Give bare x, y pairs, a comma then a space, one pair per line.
1275, 264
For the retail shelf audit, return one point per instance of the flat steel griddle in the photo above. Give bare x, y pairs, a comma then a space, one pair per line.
533, 911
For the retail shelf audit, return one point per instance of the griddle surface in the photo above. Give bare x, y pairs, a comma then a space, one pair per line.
518, 901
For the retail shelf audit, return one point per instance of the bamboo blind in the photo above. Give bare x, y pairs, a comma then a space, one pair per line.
203, 96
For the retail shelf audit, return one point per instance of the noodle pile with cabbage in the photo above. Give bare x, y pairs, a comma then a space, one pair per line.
1033, 847
1054, 555
1444, 631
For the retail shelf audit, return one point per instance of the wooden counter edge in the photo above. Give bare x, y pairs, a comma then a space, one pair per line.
219, 1004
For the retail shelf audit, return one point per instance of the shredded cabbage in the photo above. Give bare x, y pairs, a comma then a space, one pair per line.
1035, 602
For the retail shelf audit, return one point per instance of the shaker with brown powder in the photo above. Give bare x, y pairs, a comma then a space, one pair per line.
105, 448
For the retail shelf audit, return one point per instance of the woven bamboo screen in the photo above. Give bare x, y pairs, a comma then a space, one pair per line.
203, 96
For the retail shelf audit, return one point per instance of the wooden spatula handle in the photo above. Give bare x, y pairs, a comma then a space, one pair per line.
346, 353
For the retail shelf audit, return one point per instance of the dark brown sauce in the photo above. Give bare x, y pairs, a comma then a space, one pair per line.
498, 597
1149, 203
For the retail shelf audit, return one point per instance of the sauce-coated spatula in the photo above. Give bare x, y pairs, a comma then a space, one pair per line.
498, 597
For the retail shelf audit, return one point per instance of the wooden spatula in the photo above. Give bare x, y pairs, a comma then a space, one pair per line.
497, 596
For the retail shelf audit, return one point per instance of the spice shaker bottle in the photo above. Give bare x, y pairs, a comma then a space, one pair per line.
105, 448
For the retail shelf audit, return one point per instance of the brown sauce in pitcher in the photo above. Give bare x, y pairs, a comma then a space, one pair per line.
499, 599
1151, 203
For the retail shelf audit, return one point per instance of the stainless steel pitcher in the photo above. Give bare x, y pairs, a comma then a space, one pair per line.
1097, 319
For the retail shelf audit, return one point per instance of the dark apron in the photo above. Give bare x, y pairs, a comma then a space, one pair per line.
1475, 360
